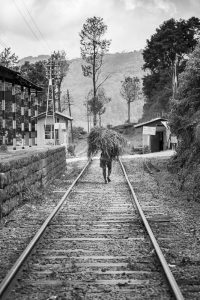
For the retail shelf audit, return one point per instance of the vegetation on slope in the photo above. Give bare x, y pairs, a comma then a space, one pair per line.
165, 57
185, 123
119, 65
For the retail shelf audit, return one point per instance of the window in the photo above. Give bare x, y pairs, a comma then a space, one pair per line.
49, 132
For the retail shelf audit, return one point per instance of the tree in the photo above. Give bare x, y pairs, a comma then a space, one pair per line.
157, 88
184, 121
8, 59
165, 58
102, 101
130, 91
36, 73
93, 50
97, 107
61, 66
173, 39
185, 109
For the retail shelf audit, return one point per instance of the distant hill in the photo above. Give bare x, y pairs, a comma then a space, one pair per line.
118, 65
33, 59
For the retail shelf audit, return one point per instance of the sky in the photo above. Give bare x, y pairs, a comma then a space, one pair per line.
35, 27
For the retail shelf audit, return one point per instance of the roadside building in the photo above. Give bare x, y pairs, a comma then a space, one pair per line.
154, 135
52, 131
16, 90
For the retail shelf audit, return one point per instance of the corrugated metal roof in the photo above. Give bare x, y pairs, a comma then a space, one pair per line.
43, 115
149, 122
15, 77
63, 115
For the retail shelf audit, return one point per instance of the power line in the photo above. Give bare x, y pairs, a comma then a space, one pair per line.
36, 26
3, 44
20, 12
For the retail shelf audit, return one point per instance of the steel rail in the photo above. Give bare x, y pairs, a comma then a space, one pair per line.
10, 277
173, 284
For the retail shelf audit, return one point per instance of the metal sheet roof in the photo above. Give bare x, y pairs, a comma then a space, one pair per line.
15, 77
57, 114
149, 122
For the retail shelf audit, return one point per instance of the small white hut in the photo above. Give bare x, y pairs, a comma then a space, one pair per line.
53, 132
155, 135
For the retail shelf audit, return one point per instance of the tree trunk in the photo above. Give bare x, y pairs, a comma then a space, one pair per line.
94, 85
94, 114
59, 105
99, 120
88, 119
129, 108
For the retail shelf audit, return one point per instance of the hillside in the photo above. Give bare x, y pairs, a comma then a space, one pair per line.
33, 59
118, 65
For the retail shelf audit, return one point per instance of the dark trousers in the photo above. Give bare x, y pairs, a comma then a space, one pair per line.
106, 165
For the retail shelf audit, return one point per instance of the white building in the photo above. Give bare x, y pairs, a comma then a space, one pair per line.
155, 135
53, 132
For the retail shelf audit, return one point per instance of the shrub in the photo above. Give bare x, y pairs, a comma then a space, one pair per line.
3, 148
78, 132
71, 150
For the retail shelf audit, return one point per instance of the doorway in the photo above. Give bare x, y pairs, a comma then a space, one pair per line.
156, 142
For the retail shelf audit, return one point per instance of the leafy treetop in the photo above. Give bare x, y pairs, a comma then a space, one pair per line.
93, 46
93, 49
8, 59
130, 91
185, 113
173, 38
166, 51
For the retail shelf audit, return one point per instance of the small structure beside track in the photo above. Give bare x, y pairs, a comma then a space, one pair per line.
58, 127
154, 134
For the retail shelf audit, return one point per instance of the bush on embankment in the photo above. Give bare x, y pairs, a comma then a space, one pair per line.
185, 123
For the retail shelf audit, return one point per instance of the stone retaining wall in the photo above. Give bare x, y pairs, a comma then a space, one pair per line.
32, 170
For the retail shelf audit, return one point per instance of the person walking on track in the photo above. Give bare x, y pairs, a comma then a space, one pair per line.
106, 163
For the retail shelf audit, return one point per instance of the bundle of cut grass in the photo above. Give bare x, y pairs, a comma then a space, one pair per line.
106, 140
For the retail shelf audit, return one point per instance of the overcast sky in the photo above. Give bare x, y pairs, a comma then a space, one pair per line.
33, 27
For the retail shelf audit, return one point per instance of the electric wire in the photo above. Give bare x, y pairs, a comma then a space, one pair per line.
36, 26
3, 44
25, 20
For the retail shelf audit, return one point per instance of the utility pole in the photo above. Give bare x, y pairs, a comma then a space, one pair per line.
50, 109
69, 103
57, 83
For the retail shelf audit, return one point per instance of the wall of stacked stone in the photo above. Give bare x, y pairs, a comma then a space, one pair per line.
31, 170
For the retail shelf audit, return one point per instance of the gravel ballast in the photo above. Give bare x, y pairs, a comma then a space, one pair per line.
174, 217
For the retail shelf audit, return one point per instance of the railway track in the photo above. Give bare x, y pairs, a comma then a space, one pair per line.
95, 246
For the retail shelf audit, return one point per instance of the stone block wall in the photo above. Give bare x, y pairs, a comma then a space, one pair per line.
31, 170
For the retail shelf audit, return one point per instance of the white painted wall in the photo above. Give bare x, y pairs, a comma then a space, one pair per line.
63, 135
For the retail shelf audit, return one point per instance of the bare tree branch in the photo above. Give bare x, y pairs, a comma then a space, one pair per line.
107, 77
